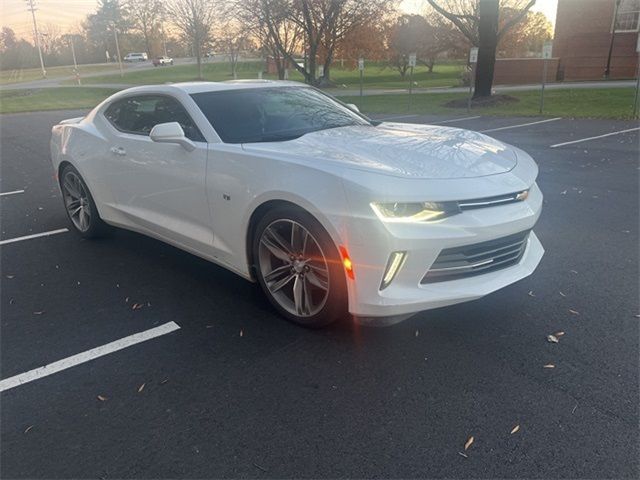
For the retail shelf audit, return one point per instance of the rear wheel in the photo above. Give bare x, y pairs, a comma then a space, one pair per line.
299, 268
79, 204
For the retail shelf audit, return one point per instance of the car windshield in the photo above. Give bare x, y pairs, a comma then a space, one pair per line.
276, 114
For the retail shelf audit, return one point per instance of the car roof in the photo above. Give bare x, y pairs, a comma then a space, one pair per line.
200, 87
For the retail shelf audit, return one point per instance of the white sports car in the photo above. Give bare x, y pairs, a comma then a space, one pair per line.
330, 212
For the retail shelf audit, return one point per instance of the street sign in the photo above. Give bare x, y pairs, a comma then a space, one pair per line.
547, 50
361, 64
412, 59
473, 55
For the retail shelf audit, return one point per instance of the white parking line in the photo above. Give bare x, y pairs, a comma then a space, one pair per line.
11, 193
521, 125
594, 138
458, 119
87, 356
396, 117
35, 235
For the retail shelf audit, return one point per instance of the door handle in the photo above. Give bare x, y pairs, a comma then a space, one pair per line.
118, 151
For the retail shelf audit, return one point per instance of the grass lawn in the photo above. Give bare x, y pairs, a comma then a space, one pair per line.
30, 74
375, 75
63, 98
578, 103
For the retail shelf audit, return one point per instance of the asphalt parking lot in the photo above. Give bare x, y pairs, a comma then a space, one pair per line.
237, 392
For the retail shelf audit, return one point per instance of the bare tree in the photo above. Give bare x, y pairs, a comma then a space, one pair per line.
194, 19
145, 15
315, 26
479, 21
234, 38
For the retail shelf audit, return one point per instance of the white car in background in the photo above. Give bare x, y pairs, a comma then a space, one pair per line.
330, 212
136, 57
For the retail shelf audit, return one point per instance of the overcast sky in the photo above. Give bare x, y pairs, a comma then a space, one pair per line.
67, 14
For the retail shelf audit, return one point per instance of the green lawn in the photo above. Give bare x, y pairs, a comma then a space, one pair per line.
63, 98
578, 103
30, 74
376, 75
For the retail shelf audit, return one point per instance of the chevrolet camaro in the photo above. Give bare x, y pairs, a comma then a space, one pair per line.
330, 212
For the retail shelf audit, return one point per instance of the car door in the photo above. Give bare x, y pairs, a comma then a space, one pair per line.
159, 187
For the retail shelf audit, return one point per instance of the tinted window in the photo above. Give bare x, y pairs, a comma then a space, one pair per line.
272, 114
139, 115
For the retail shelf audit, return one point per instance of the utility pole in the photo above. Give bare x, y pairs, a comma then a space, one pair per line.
164, 40
607, 71
32, 9
115, 35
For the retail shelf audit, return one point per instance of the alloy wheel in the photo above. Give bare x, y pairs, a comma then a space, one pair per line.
294, 267
76, 200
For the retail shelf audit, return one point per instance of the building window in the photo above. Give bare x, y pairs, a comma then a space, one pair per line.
628, 16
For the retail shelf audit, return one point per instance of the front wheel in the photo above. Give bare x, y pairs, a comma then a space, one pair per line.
79, 204
299, 268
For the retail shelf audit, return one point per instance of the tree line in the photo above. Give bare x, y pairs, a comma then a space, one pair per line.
303, 35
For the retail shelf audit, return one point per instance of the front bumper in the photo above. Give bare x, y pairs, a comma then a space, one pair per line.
423, 243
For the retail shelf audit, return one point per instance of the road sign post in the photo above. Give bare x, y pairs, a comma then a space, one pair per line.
361, 68
473, 60
412, 64
635, 103
547, 50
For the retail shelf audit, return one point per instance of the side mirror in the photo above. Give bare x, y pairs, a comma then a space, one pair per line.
353, 107
171, 132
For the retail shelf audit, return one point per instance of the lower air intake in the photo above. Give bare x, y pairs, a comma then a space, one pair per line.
469, 260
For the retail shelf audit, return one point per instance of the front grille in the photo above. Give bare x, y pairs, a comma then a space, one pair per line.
492, 201
469, 260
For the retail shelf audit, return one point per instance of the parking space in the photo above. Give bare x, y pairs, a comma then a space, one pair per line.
237, 392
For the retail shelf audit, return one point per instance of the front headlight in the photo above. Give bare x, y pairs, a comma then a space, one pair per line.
414, 212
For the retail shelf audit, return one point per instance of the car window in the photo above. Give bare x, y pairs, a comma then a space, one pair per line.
138, 115
273, 114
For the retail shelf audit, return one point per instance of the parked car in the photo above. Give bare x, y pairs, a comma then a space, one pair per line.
136, 57
330, 212
162, 61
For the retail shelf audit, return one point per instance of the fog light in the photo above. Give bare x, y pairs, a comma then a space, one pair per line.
395, 263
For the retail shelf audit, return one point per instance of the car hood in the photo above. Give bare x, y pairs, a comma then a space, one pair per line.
400, 149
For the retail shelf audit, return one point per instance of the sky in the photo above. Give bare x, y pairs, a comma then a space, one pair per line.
67, 14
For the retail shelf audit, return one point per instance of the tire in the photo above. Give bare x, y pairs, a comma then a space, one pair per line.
79, 205
295, 259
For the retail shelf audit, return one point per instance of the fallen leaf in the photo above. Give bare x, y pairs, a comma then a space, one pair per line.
515, 429
241, 333
141, 387
531, 294
573, 271
417, 332
209, 326
561, 294
462, 455
468, 444
164, 381
102, 398
10, 276
38, 313
574, 312
126, 300
552, 339
637, 316
137, 306
28, 428
549, 365
558, 334
564, 192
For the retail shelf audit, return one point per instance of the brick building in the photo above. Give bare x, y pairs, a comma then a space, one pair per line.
583, 36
